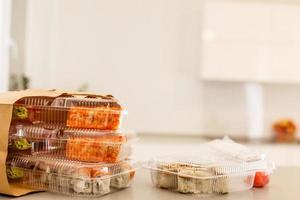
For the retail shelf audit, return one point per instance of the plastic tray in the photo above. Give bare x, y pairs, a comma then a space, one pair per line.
213, 169
69, 177
72, 144
192, 179
95, 112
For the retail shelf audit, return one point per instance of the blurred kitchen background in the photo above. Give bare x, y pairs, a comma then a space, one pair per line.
188, 68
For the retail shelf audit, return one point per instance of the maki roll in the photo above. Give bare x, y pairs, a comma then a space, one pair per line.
101, 181
195, 180
81, 181
221, 184
201, 181
123, 180
166, 176
91, 181
43, 172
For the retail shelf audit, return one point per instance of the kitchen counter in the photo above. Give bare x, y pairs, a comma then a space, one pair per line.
284, 185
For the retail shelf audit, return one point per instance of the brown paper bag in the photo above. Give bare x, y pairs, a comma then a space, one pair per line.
7, 100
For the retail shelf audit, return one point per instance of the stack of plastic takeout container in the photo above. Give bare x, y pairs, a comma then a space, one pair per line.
218, 167
70, 144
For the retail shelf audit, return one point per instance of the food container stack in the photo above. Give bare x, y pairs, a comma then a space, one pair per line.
219, 167
70, 144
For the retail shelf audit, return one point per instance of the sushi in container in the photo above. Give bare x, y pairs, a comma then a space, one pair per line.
93, 112
209, 171
73, 144
69, 177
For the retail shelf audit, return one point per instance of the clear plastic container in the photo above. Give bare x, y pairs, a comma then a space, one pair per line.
69, 177
73, 144
189, 177
211, 170
94, 112
191, 180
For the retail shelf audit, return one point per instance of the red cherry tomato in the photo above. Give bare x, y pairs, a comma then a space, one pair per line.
261, 179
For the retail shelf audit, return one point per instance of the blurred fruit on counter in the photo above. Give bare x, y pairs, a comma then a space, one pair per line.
285, 130
261, 179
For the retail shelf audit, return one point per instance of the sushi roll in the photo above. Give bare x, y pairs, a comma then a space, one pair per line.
101, 181
91, 181
195, 180
82, 181
44, 172
186, 181
221, 185
124, 179
204, 184
166, 176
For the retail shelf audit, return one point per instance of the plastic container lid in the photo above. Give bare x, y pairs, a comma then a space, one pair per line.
224, 156
94, 112
217, 163
51, 131
73, 144
71, 100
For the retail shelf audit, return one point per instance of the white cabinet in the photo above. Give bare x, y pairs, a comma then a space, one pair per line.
251, 41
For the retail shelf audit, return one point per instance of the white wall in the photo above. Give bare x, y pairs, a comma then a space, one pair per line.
39, 31
144, 52
147, 53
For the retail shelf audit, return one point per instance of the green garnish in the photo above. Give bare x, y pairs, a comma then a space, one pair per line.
21, 112
22, 144
14, 172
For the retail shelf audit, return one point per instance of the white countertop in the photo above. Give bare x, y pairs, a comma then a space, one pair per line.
284, 182
284, 185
